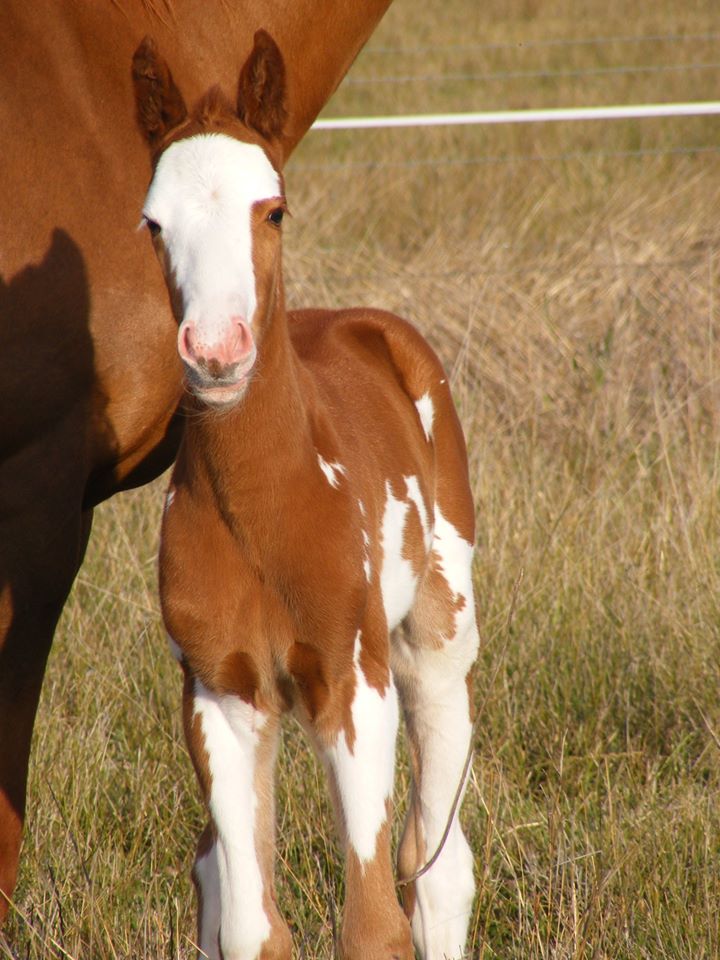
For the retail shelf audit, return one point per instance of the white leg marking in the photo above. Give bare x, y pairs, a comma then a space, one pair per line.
437, 700
445, 893
365, 773
230, 727
207, 878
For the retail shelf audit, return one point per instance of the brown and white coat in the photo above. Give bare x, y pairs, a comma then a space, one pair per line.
316, 545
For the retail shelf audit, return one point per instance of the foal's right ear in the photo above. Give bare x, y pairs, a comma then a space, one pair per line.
160, 105
262, 89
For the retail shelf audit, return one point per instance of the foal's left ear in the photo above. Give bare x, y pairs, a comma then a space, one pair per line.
160, 105
261, 102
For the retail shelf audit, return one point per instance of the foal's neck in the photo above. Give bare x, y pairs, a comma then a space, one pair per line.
254, 448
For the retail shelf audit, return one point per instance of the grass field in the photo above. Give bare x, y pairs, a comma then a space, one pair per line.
569, 276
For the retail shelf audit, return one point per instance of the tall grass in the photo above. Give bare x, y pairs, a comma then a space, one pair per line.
575, 303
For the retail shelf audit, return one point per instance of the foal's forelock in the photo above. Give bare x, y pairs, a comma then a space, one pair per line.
201, 197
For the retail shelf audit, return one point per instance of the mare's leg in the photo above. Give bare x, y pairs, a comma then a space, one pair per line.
432, 664
40, 553
360, 757
233, 747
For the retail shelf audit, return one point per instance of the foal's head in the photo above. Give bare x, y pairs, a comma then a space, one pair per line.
214, 210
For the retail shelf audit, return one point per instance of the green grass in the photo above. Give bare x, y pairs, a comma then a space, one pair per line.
575, 303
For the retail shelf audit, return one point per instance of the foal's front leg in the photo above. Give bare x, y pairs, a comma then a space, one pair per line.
233, 747
361, 762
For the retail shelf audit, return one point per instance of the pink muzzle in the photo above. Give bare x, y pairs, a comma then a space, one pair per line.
212, 359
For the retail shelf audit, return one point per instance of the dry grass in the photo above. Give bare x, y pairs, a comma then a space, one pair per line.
575, 303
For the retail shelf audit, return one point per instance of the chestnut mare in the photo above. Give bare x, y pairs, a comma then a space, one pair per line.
316, 545
90, 376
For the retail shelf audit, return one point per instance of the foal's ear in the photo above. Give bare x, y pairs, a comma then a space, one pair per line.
160, 105
261, 102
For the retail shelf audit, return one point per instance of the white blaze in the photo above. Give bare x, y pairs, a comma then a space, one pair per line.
201, 196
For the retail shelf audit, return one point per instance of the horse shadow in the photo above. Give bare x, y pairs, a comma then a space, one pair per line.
49, 404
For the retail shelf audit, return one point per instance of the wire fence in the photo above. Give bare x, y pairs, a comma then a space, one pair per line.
503, 76
480, 273
556, 115
508, 159
626, 111
551, 42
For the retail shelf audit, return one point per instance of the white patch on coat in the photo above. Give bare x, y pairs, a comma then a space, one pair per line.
415, 495
397, 579
455, 561
201, 196
333, 471
367, 566
170, 496
426, 412
364, 774
230, 728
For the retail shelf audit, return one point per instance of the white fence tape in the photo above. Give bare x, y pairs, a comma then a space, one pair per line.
552, 115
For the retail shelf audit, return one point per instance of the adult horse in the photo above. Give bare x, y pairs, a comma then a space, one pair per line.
90, 377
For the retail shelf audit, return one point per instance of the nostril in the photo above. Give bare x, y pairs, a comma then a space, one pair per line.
186, 344
243, 337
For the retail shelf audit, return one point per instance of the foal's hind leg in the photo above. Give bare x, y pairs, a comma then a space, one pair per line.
431, 665
233, 747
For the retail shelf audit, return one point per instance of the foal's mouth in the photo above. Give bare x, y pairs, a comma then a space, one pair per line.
216, 384
217, 392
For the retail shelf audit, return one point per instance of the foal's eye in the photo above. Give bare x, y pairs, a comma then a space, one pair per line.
153, 227
276, 216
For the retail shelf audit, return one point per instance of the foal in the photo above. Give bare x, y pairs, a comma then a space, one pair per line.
316, 544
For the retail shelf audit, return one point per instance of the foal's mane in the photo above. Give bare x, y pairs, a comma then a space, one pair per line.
212, 107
